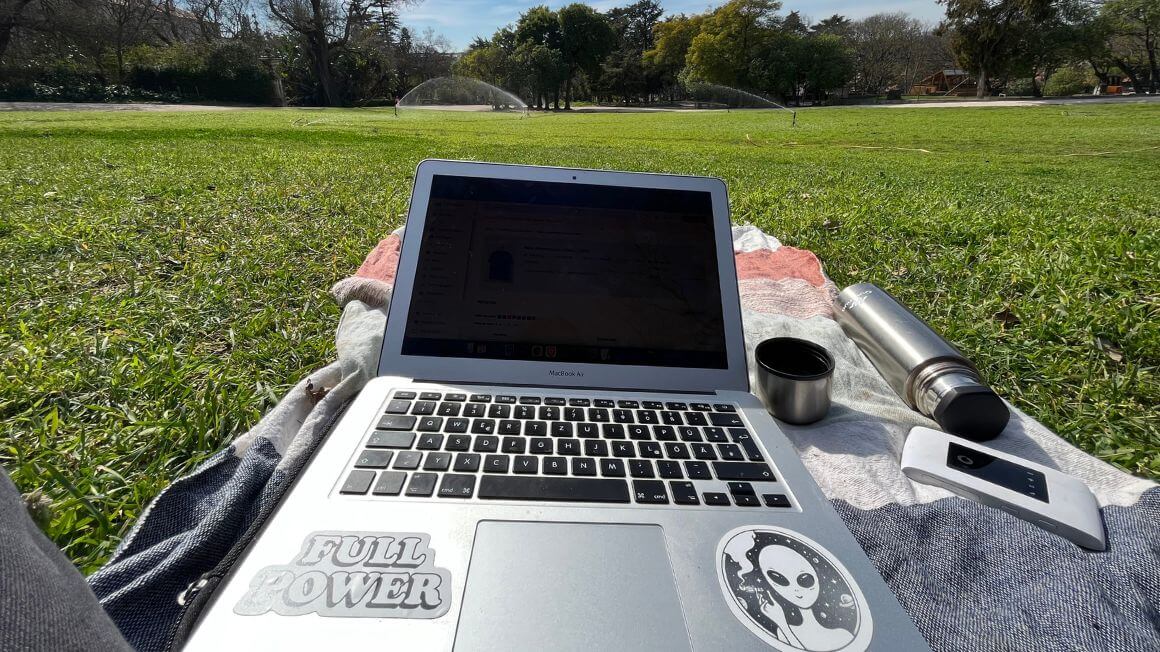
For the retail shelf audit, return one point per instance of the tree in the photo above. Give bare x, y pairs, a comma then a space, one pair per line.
1134, 26
11, 15
730, 40
672, 38
585, 39
985, 34
889, 50
623, 71
837, 24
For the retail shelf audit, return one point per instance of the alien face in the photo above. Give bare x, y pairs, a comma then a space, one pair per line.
790, 574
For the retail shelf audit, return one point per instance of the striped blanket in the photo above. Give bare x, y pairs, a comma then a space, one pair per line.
971, 577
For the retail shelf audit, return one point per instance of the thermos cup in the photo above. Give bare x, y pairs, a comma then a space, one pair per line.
929, 374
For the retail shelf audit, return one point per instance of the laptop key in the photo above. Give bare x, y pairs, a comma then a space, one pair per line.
456, 398
715, 434
747, 443
745, 500
407, 460
474, 410
423, 408
652, 405
587, 430
422, 484
664, 433
561, 429
430, 424
579, 402
529, 400
480, 398
370, 459
583, 466
677, 450
573, 414
514, 445
505, 398
689, 433
555, 466
448, 409
555, 400
684, 493
458, 442
535, 429
622, 416
541, 446
496, 464
669, 469
568, 446
509, 427
695, 419
716, 498
701, 407
640, 468
526, 464
650, 449
611, 468
628, 404
646, 416
398, 407
756, 471
430, 396
483, 426
390, 483
549, 413
485, 444
380, 439
357, 483
638, 432
456, 425
598, 414
457, 486
499, 411
524, 412
596, 448
430, 442
731, 452
740, 488
670, 418
437, 462
405, 395
724, 407
726, 419
612, 431
704, 452
604, 403
676, 406
466, 463
698, 471
582, 490
775, 500
623, 449
396, 422
650, 492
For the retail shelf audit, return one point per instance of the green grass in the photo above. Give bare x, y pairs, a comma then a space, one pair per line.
163, 277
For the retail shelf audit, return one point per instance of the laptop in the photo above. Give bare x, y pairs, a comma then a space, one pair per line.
560, 451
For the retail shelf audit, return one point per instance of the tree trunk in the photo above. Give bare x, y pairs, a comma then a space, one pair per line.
321, 47
568, 93
981, 89
1150, 45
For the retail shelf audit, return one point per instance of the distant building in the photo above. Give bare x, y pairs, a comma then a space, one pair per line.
948, 81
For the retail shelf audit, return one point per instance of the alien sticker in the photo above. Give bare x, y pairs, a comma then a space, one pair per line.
791, 592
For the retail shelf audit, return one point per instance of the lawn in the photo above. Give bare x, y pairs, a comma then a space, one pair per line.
163, 276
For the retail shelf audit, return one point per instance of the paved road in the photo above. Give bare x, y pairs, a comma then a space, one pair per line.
927, 104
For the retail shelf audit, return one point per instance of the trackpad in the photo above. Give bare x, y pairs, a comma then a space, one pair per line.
570, 586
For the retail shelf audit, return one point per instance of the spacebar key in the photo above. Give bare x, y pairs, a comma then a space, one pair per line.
581, 490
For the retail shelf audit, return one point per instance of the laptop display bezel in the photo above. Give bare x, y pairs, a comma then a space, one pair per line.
563, 374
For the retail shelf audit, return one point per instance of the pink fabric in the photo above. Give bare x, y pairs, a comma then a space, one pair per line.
382, 261
783, 262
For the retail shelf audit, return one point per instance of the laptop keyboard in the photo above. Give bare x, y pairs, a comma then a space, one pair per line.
560, 449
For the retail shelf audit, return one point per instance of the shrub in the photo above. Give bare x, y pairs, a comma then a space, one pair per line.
1068, 81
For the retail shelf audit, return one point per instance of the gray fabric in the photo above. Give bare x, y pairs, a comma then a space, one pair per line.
44, 601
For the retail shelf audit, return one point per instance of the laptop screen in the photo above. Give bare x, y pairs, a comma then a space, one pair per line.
559, 272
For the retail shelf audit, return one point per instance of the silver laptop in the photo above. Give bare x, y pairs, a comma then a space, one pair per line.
560, 451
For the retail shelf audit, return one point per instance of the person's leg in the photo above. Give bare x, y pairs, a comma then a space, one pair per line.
45, 603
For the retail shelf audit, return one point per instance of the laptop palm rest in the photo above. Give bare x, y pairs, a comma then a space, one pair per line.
570, 586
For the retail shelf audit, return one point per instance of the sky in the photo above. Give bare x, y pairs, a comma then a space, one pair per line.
462, 20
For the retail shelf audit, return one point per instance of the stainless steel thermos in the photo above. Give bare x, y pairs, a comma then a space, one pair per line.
929, 374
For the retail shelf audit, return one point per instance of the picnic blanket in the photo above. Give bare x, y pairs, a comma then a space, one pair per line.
972, 577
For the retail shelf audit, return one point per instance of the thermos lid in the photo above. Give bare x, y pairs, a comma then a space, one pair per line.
972, 411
